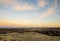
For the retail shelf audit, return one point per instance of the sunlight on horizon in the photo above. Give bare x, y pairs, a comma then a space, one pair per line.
34, 13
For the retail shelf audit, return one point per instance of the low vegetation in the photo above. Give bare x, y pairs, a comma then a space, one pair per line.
27, 36
30, 34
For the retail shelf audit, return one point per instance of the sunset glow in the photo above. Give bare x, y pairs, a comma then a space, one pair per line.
34, 13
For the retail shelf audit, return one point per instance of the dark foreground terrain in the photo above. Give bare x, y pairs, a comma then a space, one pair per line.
46, 31
29, 34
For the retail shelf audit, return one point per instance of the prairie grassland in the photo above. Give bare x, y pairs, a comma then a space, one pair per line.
27, 36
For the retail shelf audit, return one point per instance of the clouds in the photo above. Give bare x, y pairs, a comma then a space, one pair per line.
28, 12
29, 6
23, 7
42, 3
7, 1
49, 11
18, 5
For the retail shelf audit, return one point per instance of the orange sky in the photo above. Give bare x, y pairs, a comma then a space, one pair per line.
6, 23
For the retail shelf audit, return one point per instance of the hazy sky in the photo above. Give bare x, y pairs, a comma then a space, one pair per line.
39, 13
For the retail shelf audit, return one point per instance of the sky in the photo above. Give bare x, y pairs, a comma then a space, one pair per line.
34, 13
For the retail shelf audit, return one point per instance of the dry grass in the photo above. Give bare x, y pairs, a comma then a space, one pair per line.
27, 36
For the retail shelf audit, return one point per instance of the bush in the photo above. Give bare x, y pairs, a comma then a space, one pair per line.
1, 38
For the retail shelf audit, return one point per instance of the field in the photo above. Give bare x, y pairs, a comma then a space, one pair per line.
27, 36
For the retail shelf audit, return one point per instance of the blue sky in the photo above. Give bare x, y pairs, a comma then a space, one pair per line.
30, 13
